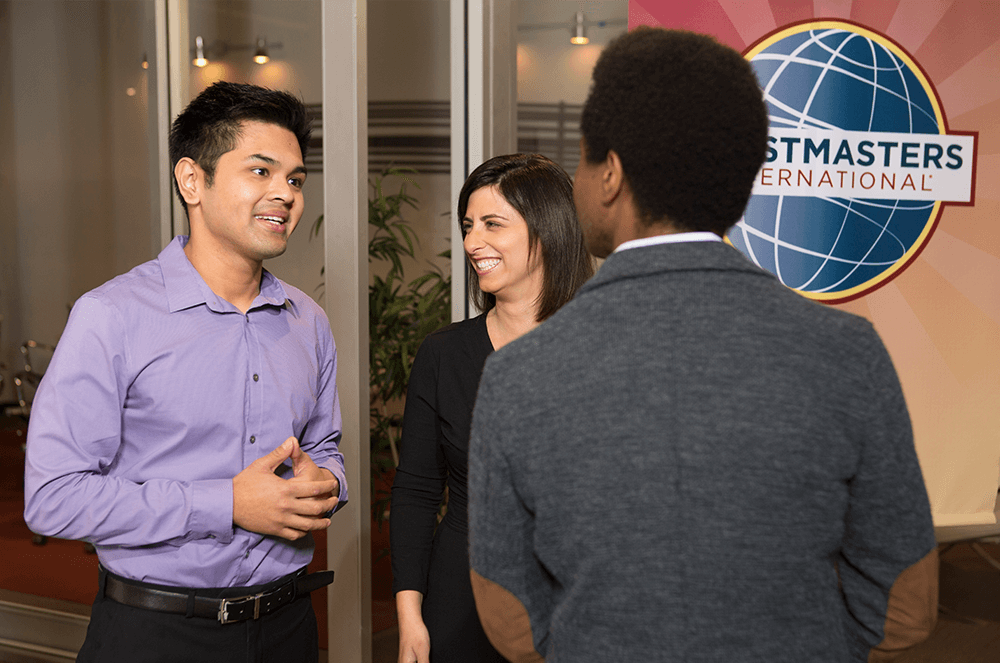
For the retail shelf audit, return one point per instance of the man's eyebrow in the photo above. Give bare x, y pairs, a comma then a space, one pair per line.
260, 157
272, 162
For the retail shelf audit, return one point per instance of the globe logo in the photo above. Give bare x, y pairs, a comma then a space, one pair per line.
859, 161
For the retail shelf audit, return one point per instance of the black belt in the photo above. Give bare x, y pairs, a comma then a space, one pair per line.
226, 610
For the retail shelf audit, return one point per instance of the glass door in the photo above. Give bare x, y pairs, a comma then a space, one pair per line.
78, 120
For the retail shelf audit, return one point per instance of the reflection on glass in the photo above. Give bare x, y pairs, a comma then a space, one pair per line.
553, 72
77, 122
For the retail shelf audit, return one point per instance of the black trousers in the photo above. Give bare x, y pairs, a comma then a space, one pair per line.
119, 633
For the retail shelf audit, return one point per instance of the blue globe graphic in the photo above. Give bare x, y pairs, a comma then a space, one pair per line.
833, 78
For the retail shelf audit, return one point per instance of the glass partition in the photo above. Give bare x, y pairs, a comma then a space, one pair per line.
557, 46
78, 107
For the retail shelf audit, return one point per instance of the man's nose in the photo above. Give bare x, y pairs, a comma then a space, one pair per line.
282, 189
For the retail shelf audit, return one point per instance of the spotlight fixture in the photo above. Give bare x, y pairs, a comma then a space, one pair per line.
577, 27
199, 52
260, 55
145, 61
219, 49
579, 31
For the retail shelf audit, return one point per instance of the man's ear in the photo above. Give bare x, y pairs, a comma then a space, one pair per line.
612, 177
190, 180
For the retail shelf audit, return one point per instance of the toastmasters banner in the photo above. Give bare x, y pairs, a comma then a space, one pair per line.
879, 195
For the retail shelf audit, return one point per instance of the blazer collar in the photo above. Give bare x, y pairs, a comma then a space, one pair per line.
677, 257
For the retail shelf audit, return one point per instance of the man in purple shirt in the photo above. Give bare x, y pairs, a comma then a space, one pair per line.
188, 423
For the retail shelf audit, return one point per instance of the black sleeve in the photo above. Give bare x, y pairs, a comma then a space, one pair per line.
418, 488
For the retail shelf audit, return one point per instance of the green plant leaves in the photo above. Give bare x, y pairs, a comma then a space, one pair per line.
401, 313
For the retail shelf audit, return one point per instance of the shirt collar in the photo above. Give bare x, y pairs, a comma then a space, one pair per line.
185, 287
673, 238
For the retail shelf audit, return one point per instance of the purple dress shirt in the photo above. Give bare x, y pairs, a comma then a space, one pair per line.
159, 393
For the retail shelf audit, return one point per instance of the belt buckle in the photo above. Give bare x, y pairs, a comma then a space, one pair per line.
226, 603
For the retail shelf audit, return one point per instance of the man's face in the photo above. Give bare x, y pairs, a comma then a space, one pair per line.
255, 200
597, 231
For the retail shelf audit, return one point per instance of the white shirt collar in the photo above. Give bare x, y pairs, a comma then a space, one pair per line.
703, 236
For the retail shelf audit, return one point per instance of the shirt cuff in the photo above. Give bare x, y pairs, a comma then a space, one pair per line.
340, 475
212, 509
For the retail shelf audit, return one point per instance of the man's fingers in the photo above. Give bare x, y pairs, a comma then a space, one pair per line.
298, 528
300, 459
312, 507
280, 454
313, 488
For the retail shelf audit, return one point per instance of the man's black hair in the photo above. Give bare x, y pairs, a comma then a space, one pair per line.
687, 118
211, 124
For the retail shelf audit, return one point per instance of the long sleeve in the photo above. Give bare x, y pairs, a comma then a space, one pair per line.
889, 549
158, 394
513, 592
75, 438
419, 484
321, 437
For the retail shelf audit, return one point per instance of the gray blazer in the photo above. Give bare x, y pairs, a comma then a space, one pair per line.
690, 462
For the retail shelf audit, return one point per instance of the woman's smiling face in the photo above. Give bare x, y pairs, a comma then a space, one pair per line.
497, 245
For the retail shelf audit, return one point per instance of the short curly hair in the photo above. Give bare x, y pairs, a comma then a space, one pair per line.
212, 123
686, 116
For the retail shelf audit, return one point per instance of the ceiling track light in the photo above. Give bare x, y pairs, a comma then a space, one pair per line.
199, 52
260, 56
579, 31
577, 27
218, 49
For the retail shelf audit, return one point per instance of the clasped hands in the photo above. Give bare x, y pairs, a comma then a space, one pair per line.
265, 503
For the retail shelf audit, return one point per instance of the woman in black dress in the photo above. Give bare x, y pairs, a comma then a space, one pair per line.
527, 258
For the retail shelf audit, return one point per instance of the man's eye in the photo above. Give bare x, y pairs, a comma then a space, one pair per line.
296, 182
259, 171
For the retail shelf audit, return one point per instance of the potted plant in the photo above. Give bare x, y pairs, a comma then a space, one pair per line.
401, 312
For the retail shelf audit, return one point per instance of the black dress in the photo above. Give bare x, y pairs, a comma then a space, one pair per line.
435, 452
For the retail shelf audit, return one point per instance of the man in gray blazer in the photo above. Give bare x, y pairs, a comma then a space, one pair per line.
690, 462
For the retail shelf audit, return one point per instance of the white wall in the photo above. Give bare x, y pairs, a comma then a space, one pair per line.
408, 50
549, 68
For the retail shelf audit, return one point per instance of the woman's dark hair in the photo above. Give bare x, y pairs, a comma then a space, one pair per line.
212, 123
687, 118
542, 193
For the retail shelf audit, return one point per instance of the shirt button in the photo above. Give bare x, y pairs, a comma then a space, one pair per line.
253, 438
246, 555
255, 377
